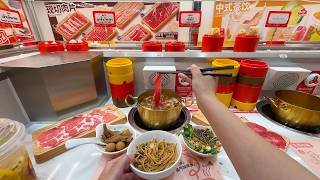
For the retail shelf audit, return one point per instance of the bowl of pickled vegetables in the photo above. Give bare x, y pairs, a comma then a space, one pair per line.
201, 140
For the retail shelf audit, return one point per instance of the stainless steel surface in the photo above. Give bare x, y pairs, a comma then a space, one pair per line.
51, 92
51, 59
10, 105
191, 54
17, 50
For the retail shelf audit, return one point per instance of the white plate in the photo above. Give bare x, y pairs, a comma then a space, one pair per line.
119, 127
194, 151
158, 135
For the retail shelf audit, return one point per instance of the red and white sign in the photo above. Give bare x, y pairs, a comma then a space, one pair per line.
310, 84
3, 37
189, 18
10, 18
278, 18
104, 18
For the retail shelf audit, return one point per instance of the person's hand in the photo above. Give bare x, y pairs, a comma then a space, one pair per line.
201, 85
118, 169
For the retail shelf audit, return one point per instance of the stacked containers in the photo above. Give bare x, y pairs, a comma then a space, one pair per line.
251, 76
226, 84
120, 73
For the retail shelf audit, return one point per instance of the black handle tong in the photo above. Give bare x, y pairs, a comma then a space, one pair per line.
204, 71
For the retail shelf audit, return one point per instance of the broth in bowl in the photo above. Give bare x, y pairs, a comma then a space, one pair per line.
166, 102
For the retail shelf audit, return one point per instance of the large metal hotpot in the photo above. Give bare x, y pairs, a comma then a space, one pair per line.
157, 119
296, 109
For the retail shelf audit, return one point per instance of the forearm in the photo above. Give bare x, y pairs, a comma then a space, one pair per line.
250, 154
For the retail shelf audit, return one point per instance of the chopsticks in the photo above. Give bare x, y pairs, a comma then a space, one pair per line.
204, 71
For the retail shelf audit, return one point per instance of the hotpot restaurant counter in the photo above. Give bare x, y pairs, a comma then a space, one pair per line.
85, 162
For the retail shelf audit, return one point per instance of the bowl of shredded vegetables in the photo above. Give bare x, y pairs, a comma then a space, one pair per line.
201, 140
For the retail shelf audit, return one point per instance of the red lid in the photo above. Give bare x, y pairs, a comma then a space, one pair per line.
253, 68
50, 46
79, 45
174, 46
154, 46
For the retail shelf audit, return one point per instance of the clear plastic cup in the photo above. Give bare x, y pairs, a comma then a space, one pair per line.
14, 158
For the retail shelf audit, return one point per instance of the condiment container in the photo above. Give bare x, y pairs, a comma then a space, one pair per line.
226, 84
152, 46
251, 77
50, 46
213, 42
174, 46
14, 158
121, 81
75, 45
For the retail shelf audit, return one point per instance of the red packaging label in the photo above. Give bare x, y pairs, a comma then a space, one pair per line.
10, 18
182, 88
104, 18
278, 18
310, 83
189, 18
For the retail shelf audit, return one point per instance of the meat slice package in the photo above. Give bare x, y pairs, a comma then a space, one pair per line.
49, 142
136, 33
100, 34
72, 25
160, 14
126, 11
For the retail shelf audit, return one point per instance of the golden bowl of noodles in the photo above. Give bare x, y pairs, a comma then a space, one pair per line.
163, 116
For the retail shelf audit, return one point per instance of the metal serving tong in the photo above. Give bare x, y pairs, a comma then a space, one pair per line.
204, 71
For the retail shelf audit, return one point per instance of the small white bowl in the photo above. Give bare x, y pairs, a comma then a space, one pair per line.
194, 152
158, 135
119, 127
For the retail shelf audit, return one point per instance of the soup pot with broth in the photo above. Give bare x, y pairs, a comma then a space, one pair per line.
162, 116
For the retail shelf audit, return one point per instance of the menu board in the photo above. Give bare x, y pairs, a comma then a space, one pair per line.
14, 25
113, 21
303, 23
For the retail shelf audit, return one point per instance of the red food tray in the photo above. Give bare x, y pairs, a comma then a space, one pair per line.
153, 46
247, 43
50, 46
174, 46
77, 46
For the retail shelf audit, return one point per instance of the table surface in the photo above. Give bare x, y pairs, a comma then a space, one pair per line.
85, 162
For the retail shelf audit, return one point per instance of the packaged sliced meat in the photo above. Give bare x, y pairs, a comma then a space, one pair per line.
126, 11
160, 14
100, 34
72, 25
49, 141
136, 33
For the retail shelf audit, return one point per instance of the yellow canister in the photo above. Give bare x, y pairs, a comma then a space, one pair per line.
119, 66
227, 62
226, 84
243, 106
225, 98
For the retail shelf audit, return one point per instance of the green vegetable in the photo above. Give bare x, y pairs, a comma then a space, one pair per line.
201, 140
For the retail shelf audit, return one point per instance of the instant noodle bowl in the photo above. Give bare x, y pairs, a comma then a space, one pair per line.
14, 158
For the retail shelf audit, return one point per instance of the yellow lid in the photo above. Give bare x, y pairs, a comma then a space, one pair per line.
119, 66
243, 106
225, 98
227, 62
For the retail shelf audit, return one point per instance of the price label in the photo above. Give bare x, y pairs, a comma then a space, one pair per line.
104, 18
189, 18
278, 18
10, 18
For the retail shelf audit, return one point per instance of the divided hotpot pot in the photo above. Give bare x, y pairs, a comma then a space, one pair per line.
156, 118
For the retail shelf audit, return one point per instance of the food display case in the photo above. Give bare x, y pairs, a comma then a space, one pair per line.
64, 92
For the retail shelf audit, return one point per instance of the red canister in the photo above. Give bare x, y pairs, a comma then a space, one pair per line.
251, 76
174, 46
50, 46
152, 46
246, 43
79, 45
212, 43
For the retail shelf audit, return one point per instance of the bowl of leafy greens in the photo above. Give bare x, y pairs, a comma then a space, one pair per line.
201, 140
